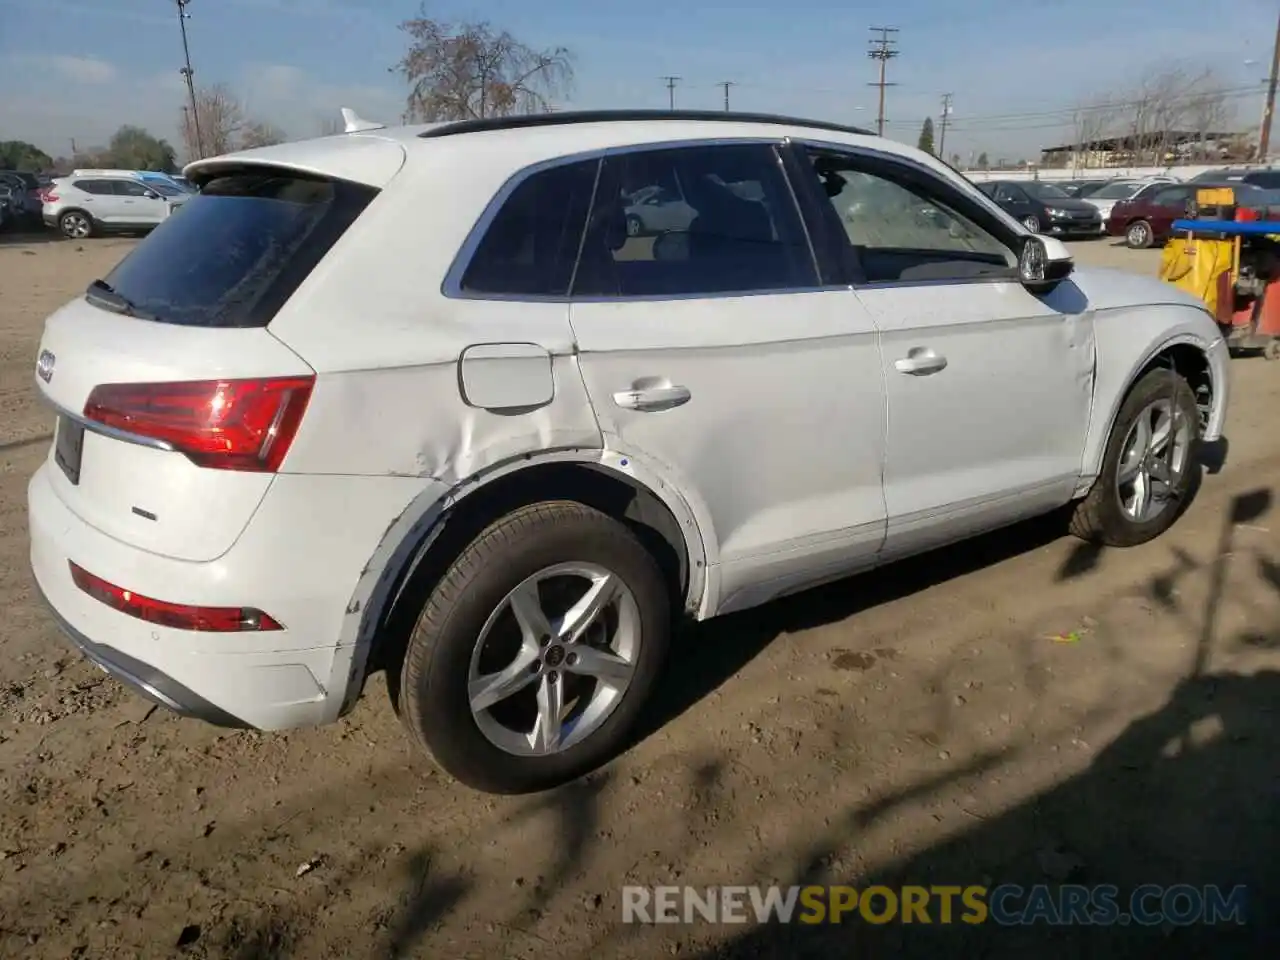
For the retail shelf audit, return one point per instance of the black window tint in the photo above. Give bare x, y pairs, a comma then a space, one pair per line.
1267, 180
96, 187
988, 188
234, 253
722, 220
532, 244
1171, 197
129, 188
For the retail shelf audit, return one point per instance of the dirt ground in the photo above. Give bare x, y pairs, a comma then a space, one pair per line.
919, 725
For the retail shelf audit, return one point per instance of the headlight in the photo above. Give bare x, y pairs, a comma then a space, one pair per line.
1057, 212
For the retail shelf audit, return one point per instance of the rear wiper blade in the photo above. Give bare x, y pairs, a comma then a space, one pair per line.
103, 294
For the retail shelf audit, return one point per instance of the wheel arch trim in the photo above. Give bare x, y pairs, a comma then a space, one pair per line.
410, 535
1096, 444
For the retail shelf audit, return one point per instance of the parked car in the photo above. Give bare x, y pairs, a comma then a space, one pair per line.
1044, 207
1079, 189
656, 209
1265, 179
1148, 218
1107, 196
83, 206
300, 436
24, 202
7, 215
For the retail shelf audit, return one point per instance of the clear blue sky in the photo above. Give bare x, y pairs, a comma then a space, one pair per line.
80, 68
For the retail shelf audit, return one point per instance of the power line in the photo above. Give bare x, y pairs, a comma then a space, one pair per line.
671, 91
188, 74
726, 84
883, 50
946, 112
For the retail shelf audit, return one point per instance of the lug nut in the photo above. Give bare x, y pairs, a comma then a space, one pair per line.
573, 658
552, 676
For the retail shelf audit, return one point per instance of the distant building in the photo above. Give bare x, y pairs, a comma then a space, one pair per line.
1156, 148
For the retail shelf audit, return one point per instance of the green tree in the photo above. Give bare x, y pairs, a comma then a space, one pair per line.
20, 155
983, 162
132, 148
925, 142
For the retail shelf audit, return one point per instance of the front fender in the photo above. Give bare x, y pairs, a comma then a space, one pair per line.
1128, 340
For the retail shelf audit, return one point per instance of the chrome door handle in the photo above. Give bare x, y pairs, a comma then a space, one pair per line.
920, 361
648, 399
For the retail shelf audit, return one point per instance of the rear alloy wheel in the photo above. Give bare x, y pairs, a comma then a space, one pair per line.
1149, 471
75, 225
1032, 223
1139, 235
634, 226
536, 650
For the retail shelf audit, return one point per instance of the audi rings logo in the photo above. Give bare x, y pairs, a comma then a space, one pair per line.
44, 366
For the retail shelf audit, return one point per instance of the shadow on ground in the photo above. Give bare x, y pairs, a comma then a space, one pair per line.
1189, 794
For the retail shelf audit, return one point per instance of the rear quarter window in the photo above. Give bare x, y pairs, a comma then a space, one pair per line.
232, 255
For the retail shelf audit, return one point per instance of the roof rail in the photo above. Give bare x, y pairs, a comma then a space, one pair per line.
623, 116
355, 124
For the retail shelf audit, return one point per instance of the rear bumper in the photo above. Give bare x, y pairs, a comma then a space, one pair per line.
299, 559
144, 679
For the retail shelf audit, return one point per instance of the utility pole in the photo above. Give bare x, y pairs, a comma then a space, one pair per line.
942, 138
671, 91
726, 84
1264, 139
188, 74
882, 49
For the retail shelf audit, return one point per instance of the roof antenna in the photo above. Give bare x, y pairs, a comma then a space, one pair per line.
354, 124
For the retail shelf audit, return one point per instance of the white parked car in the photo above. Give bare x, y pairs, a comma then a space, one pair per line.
81, 206
305, 434
1117, 191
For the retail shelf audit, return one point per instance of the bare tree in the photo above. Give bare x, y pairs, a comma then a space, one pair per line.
469, 70
1090, 123
221, 120
257, 133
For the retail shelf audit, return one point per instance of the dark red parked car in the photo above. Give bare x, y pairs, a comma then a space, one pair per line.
1147, 218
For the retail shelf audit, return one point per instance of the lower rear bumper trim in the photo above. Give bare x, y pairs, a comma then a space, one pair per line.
147, 681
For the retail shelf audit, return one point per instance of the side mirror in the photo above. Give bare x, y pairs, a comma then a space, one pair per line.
1043, 263
152, 195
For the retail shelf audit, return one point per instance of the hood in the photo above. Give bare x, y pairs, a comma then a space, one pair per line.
1107, 289
1070, 204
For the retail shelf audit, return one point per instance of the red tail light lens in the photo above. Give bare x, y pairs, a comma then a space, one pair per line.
180, 616
222, 424
49, 197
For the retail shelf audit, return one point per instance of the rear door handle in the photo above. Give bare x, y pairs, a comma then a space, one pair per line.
920, 361
649, 399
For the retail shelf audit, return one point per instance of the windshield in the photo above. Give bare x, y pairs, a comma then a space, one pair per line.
1116, 191
1046, 191
164, 189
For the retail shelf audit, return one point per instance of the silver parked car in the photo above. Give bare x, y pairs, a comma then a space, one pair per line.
81, 206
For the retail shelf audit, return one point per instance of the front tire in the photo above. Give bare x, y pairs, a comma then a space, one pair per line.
1144, 485
634, 226
535, 652
1139, 235
1032, 223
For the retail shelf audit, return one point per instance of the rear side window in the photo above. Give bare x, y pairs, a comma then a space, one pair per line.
531, 246
99, 188
1267, 180
232, 255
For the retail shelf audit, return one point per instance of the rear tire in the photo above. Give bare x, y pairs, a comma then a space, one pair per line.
449, 683
76, 225
1109, 514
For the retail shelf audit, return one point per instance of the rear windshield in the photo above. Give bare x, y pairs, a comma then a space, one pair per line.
231, 255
